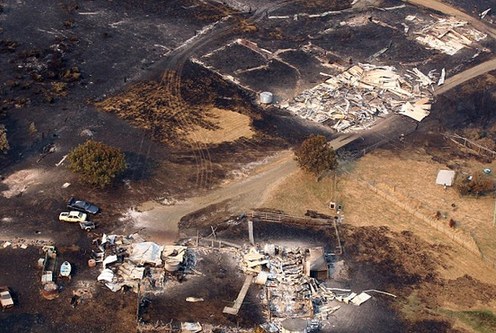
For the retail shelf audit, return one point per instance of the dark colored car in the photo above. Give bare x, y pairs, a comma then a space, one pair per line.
83, 206
87, 225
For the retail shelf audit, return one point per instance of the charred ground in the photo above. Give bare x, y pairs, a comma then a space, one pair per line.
59, 72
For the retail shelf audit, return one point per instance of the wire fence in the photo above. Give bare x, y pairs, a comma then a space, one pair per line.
416, 207
423, 212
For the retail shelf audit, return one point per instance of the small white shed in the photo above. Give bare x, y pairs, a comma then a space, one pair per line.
445, 177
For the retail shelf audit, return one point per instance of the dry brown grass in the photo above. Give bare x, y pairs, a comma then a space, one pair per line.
229, 126
464, 278
413, 174
301, 192
155, 107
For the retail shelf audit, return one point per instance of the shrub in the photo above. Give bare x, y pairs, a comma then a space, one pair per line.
96, 162
479, 184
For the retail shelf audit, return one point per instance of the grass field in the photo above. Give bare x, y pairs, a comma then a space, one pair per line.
482, 321
230, 127
301, 192
413, 174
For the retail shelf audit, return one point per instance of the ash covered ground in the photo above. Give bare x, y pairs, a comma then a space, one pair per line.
60, 59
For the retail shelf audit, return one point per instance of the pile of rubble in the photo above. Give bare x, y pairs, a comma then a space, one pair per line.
134, 263
353, 99
293, 291
446, 34
24, 243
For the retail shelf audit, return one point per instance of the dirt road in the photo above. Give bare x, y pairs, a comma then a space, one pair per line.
449, 10
160, 222
478, 24
467, 75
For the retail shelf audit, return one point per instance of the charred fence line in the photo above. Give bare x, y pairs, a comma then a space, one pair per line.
276, 217
471, 146
372, 147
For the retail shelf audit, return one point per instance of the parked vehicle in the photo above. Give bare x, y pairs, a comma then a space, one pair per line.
5, 298
65, 269
87, 225
81, 205
72, 216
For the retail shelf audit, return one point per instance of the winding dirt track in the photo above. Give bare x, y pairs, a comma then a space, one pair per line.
171, 79
161, 222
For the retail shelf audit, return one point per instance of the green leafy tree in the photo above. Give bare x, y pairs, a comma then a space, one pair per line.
315, 156
4, 143
97, 163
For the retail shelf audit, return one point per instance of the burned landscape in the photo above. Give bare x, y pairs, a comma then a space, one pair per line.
212, 226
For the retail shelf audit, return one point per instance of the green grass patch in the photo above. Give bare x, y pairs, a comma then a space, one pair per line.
482, 321
412, 306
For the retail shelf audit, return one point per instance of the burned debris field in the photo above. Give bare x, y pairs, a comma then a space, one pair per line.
205, 218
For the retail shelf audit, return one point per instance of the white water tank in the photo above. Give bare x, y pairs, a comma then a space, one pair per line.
294, 325
266, 97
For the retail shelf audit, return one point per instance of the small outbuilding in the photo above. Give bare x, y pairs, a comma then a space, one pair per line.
445, 177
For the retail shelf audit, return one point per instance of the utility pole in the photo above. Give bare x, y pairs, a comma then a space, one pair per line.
138, 305
334, 186
494, 213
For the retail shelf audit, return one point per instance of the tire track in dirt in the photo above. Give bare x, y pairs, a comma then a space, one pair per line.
172, 81
161, 222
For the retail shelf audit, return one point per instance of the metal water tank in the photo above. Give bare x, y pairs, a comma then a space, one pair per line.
294, 325
266, 97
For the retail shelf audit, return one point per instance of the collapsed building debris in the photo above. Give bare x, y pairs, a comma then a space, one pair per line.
294, 325
188, 327
446, 34
355, 98
484, 13
49, 289
316, 265
294, 280
146, 253
137, 264
241, 297
174, 256
295, 288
